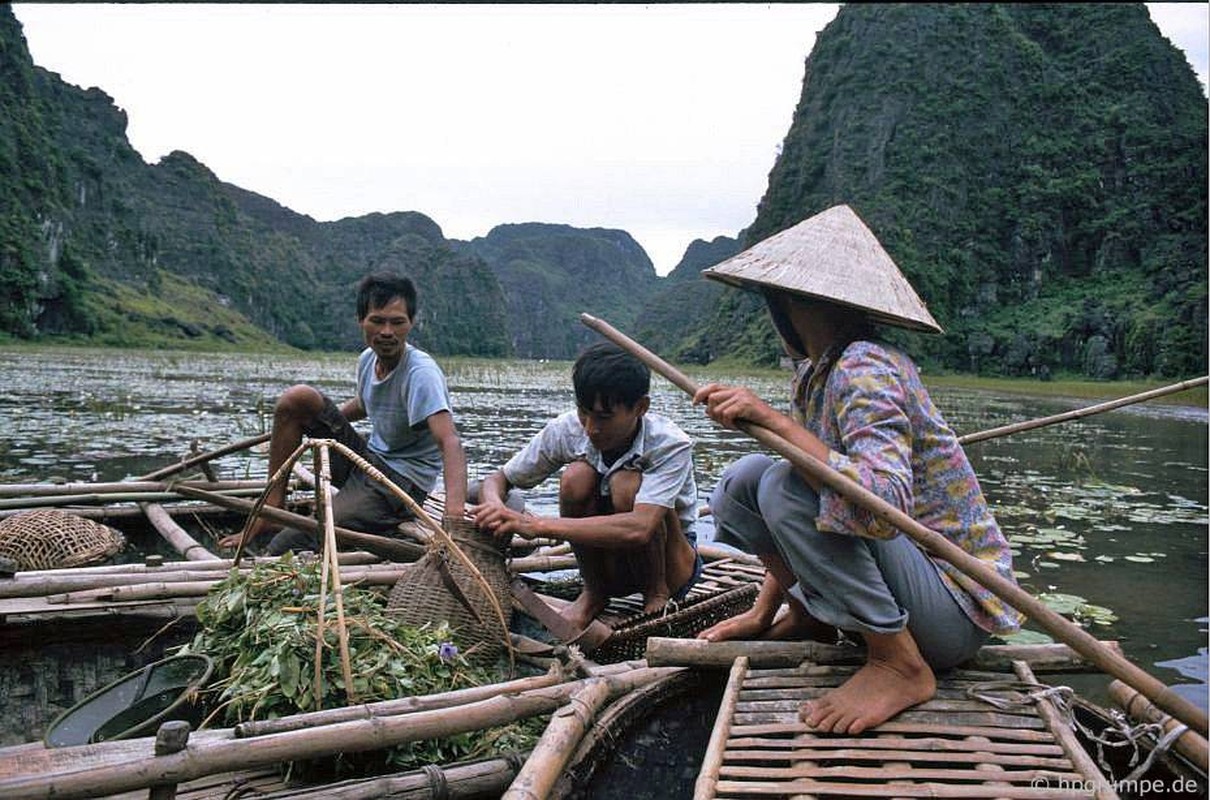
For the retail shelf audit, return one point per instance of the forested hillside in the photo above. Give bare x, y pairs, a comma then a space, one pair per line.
1038, 171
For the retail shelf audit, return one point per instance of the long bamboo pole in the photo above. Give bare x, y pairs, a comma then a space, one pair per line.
202, 458
117, 487
1079, 413
936, 544
1188, 743
175, 535
563, 733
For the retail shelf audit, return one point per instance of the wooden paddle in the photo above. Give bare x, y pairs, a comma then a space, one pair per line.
1087, 411
1055, 624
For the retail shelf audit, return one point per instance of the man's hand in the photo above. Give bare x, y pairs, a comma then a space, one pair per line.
502, 522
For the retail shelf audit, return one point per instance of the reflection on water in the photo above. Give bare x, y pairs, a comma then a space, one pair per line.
1108, 515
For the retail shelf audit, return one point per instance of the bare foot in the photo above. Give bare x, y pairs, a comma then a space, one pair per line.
655, 602
585, 609
892, 680
795, 624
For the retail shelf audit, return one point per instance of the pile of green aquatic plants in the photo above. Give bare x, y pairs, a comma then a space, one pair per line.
259, 626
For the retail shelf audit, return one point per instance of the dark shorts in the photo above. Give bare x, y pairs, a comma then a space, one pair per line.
698, 566
362, 504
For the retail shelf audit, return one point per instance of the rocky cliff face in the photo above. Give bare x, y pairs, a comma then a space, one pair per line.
553, 273
1038, 171
98, 243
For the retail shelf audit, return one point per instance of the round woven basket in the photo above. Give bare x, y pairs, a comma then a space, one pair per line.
440, 588
46, 538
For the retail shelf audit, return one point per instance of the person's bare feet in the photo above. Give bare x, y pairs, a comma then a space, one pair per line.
585, 609
895, 677
795, 624
655, 601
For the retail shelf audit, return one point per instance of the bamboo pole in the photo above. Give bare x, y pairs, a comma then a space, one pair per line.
403, 705
1138, 708
563, 733
175, 535
101, 498
937, 545
1079, 413
156, 589
203, 458
323, 488
29, 584
117, 487
542, 563
480, 779
672, 652
140, 768
712, 762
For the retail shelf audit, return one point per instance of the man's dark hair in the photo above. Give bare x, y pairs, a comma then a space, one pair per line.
379, 288
607, 373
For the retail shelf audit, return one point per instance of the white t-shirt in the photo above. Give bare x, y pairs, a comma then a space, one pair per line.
661, 451
398, 407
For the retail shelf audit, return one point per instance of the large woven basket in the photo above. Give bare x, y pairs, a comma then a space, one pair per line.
440, 588
46, 538
629, 639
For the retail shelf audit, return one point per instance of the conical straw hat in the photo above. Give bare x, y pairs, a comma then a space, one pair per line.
831, 256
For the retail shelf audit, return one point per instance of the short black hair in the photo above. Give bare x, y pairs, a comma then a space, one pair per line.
607, 373
379, 288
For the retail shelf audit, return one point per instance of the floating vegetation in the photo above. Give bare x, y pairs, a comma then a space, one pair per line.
1078, 609
260, 629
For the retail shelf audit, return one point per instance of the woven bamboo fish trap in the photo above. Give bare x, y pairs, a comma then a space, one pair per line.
954, 745
629, 638
47, 538
441, 588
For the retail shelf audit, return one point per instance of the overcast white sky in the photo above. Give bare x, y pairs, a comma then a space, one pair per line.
662, 120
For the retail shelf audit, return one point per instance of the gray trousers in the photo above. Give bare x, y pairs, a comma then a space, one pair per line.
857, 584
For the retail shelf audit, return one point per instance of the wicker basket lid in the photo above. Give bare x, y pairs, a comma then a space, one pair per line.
831, 256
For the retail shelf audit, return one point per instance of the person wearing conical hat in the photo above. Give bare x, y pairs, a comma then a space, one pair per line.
859, 406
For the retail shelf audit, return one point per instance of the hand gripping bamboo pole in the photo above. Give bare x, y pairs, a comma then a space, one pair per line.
1079, 413
934, 543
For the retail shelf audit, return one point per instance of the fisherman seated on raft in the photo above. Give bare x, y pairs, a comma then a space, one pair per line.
403, 392
858, 405
627, 497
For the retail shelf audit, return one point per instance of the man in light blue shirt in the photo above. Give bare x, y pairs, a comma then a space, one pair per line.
413, 439
627, 496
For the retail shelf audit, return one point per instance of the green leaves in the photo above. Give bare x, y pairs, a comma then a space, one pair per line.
260, 628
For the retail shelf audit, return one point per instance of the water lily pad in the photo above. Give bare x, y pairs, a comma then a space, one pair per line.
1140, 559
1060, 556
1026, 637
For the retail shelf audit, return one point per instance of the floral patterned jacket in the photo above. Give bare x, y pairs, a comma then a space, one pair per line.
866, 402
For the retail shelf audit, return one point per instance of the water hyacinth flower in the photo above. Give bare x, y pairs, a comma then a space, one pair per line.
447, 651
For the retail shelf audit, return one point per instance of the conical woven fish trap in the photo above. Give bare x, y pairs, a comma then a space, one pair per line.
441, 588
629, 638
46, 538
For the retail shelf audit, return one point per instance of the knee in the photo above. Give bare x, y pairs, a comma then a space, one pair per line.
783, 495
739, 484
578, 485
298, 402
623, 489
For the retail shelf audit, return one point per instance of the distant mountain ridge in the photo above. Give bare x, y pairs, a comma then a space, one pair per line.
1038, 171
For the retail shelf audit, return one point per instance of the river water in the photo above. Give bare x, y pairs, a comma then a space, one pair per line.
1108, 515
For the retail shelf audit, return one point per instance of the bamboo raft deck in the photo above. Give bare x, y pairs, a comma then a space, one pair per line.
953, 746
